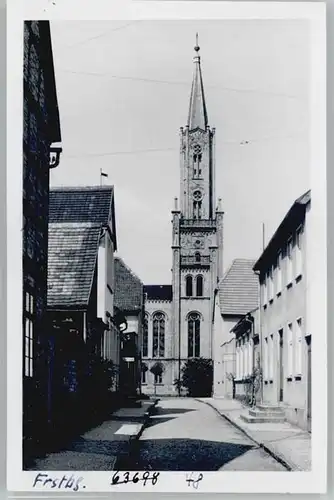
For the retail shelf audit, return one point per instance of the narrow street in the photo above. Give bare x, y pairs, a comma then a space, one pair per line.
187, 435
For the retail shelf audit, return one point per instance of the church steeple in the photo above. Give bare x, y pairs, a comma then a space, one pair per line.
197, 117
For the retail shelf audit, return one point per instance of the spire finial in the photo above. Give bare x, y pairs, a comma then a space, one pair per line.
196, 46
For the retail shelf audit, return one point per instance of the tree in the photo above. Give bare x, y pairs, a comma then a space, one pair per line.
157, 369
197, 377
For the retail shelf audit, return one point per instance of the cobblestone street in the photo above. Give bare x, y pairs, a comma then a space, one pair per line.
185, 434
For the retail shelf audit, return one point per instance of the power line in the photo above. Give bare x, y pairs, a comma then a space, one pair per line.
101, 35
166, 82
140, 151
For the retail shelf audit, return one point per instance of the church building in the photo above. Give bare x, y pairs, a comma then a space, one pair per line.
178, 318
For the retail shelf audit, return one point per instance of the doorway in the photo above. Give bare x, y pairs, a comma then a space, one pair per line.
309, 382
280, 365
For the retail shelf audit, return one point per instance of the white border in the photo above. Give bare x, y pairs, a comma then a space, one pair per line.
237, 482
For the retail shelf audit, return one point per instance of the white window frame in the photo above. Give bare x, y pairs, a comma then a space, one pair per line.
279, 273
158, 379
265, 290
290, 350
299, 348
265, 359
289, 262
299, 252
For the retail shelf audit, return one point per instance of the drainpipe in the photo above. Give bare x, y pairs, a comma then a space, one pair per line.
260, 335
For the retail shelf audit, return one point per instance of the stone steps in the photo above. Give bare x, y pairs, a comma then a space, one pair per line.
256, 412
262, 419
264, 413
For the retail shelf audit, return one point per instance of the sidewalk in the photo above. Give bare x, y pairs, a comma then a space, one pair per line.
99, 448
285, 442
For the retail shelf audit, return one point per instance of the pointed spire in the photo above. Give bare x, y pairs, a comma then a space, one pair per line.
197, 110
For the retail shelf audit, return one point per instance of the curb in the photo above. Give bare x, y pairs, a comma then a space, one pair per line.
272, 453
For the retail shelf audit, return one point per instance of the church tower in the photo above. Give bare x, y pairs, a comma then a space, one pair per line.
197, 233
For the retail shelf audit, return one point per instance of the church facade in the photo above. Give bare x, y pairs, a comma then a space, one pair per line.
179, 317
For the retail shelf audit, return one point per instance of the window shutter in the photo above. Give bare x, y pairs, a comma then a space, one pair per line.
299, 348
290, 351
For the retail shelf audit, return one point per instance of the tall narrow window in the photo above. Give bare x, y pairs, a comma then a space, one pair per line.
159, 335
197, 257
299, 256
290, 350
289, 263
145, 337
144, 370
264, 290
299, 348
197, 158
279, 273
271, 284
28, 334
194, 335
189, 286
199, 286
197, 204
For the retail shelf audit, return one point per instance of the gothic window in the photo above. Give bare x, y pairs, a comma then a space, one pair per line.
197, 257
189, 286
194, 335
199, 286
145, 337
159, 323
197, 204
197, 158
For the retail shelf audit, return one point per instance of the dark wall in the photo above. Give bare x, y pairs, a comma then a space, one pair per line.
40, 129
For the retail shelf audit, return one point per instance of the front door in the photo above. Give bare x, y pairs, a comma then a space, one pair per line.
309, 383
280, 366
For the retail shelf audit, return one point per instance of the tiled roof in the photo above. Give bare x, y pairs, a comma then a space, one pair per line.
294, 218
158, 292
239, 288
72, 258
81, 204
128, 288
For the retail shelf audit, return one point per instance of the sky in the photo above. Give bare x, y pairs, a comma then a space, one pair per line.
123, 94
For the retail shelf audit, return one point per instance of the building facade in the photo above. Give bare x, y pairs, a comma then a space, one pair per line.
285, 335
197, 245
81, 286
236, 295
129, 299
41, 151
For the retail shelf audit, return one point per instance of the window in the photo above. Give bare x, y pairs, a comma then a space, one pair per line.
158, 335
189, 286
197, 204
197, 257
271, 284
289, 263
197, 158
194, 335
250, 356
299, 256
279, 274
238, 361
157, 378
145, 337
265, 290
299, 348
271, 358
199, 286
28, 334
290, 351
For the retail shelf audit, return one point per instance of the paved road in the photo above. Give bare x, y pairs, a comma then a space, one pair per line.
185, 434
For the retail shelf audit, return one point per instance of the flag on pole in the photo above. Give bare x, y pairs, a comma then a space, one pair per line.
103, 174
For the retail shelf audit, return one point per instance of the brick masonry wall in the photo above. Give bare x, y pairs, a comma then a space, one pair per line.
36, 144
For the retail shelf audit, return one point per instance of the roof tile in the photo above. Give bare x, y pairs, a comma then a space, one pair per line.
128, 288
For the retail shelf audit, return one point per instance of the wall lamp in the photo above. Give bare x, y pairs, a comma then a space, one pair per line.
55, 151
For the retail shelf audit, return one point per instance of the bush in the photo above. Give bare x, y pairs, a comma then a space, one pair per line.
197, 377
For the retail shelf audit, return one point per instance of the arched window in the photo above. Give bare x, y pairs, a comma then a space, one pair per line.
197, 257
189, 286
145, 337
197, 158
197, 204
159, 323
194, 320
199, 286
